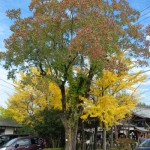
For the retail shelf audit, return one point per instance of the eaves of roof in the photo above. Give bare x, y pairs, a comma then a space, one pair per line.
7, 122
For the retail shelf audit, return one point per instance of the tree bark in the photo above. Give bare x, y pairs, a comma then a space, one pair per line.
83, 137
104, 138
95, 137
111, 138
70, 138
116, 132
70, 122
71, 128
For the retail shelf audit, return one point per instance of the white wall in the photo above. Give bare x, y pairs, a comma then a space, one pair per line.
9, 130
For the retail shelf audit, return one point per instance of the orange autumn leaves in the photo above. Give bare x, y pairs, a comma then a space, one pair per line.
88, 26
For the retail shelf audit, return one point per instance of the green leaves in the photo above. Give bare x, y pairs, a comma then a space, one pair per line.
71, 42
14, 13
59, 29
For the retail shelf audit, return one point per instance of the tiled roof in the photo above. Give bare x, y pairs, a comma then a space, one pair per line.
7, 122
141, 129
141, 111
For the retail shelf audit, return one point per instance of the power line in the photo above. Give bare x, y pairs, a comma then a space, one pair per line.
6, 87
145, 9
143, 19
145, 14
145, 71
8, 83
141, 73
7, 93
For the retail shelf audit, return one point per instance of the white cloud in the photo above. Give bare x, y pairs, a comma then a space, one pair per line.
146, 83
148, 38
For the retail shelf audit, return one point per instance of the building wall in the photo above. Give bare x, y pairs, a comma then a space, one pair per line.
9, 130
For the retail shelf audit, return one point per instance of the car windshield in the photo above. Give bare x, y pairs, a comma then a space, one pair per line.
146, 143
3, 137
9, 143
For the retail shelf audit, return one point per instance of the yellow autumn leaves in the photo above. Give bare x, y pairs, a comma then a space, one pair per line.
112, 96
37, 95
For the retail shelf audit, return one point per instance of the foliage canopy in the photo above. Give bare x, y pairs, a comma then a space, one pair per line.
64, 35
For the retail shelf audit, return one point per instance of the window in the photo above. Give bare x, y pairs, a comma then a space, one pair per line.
23, 142
145, 144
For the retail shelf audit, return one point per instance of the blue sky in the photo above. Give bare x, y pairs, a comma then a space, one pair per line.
6, 88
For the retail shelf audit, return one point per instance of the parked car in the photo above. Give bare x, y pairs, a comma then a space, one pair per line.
144, 145
7, 137
24, 143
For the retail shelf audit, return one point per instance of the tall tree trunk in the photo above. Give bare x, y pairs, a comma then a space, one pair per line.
128, 128
83, 137
71, 127
111, 138
95, 137
71, 135
104, 138
70, 122
116, 133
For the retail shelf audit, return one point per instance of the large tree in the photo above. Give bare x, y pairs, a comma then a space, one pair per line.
5, 113
37, 108
32, 96
64, 35
113, 96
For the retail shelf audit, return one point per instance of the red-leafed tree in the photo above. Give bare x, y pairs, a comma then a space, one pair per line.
63, 36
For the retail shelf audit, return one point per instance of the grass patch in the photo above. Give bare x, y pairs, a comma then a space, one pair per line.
53, 149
